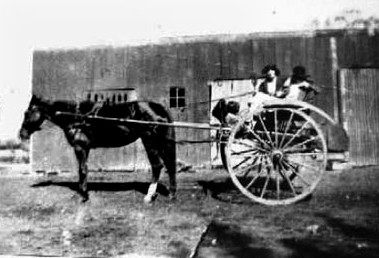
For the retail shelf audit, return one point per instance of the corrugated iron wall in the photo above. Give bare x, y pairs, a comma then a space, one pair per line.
360, 106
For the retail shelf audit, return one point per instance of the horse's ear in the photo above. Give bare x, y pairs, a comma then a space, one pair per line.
35, 99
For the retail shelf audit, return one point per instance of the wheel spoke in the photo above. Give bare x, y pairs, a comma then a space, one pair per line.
293, 170
242, 143
305, 165
277, 185
265, 130
252, 151
259, 138
266, 183
242, 162
296, 135
251, 147
289, 122
301, 143
285, 177
247, 169
276, 127
257, 175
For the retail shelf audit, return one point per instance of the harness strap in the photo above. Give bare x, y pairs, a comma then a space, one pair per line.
95, 109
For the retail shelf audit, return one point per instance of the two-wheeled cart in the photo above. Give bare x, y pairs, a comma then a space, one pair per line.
276, 156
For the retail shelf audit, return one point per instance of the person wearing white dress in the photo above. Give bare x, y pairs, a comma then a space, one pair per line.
297, 85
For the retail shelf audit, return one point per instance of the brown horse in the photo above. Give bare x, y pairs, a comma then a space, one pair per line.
84, 134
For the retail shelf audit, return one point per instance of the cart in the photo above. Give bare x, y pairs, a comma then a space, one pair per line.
274, 156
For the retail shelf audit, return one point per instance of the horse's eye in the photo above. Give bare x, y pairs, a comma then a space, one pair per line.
35, 116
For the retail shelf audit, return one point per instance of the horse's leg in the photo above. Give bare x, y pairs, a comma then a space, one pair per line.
156, 167
167, 152
82, 156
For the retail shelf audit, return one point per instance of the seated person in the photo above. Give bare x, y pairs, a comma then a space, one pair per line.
268, 87
270, 83
297, 85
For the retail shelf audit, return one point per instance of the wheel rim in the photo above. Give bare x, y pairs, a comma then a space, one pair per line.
277, 158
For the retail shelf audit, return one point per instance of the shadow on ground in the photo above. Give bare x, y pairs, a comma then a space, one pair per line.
225, 190
338, 237
141, 187
227, 240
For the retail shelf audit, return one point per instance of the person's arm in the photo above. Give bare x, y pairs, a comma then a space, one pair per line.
304, 85
285, 89
258, 84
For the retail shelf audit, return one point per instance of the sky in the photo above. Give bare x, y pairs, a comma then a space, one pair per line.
28, 25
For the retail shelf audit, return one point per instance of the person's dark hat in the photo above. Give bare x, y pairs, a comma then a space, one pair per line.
299, 72
271, 67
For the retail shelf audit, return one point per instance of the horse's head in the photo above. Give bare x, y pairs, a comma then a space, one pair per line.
33, 119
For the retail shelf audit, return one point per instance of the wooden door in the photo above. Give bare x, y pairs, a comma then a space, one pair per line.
360, 114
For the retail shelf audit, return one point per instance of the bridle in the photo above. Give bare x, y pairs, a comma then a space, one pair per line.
32, 126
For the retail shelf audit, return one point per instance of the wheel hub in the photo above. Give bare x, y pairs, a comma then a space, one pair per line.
277, 156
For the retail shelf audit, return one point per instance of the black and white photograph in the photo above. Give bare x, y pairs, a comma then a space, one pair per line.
189, 129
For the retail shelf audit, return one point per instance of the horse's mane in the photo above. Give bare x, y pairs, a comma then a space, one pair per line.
87, 106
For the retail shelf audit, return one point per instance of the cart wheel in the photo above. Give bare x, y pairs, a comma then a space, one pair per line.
278, 157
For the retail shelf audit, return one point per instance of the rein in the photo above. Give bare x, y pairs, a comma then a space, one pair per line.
83, 119
50, 113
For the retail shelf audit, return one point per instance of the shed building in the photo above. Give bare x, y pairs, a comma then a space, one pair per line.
177, 73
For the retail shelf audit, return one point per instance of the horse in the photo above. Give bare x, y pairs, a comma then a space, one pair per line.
84, 134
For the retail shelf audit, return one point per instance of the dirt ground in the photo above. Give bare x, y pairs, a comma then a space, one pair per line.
43, 216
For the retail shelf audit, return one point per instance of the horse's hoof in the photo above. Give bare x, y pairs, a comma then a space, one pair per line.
150, 199
85, 198
172, 197
74, 197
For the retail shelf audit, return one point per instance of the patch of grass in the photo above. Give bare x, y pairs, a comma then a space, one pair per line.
34, 211
179, 249
104, 237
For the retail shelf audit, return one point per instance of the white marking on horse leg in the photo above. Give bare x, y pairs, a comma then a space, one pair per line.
151, 193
